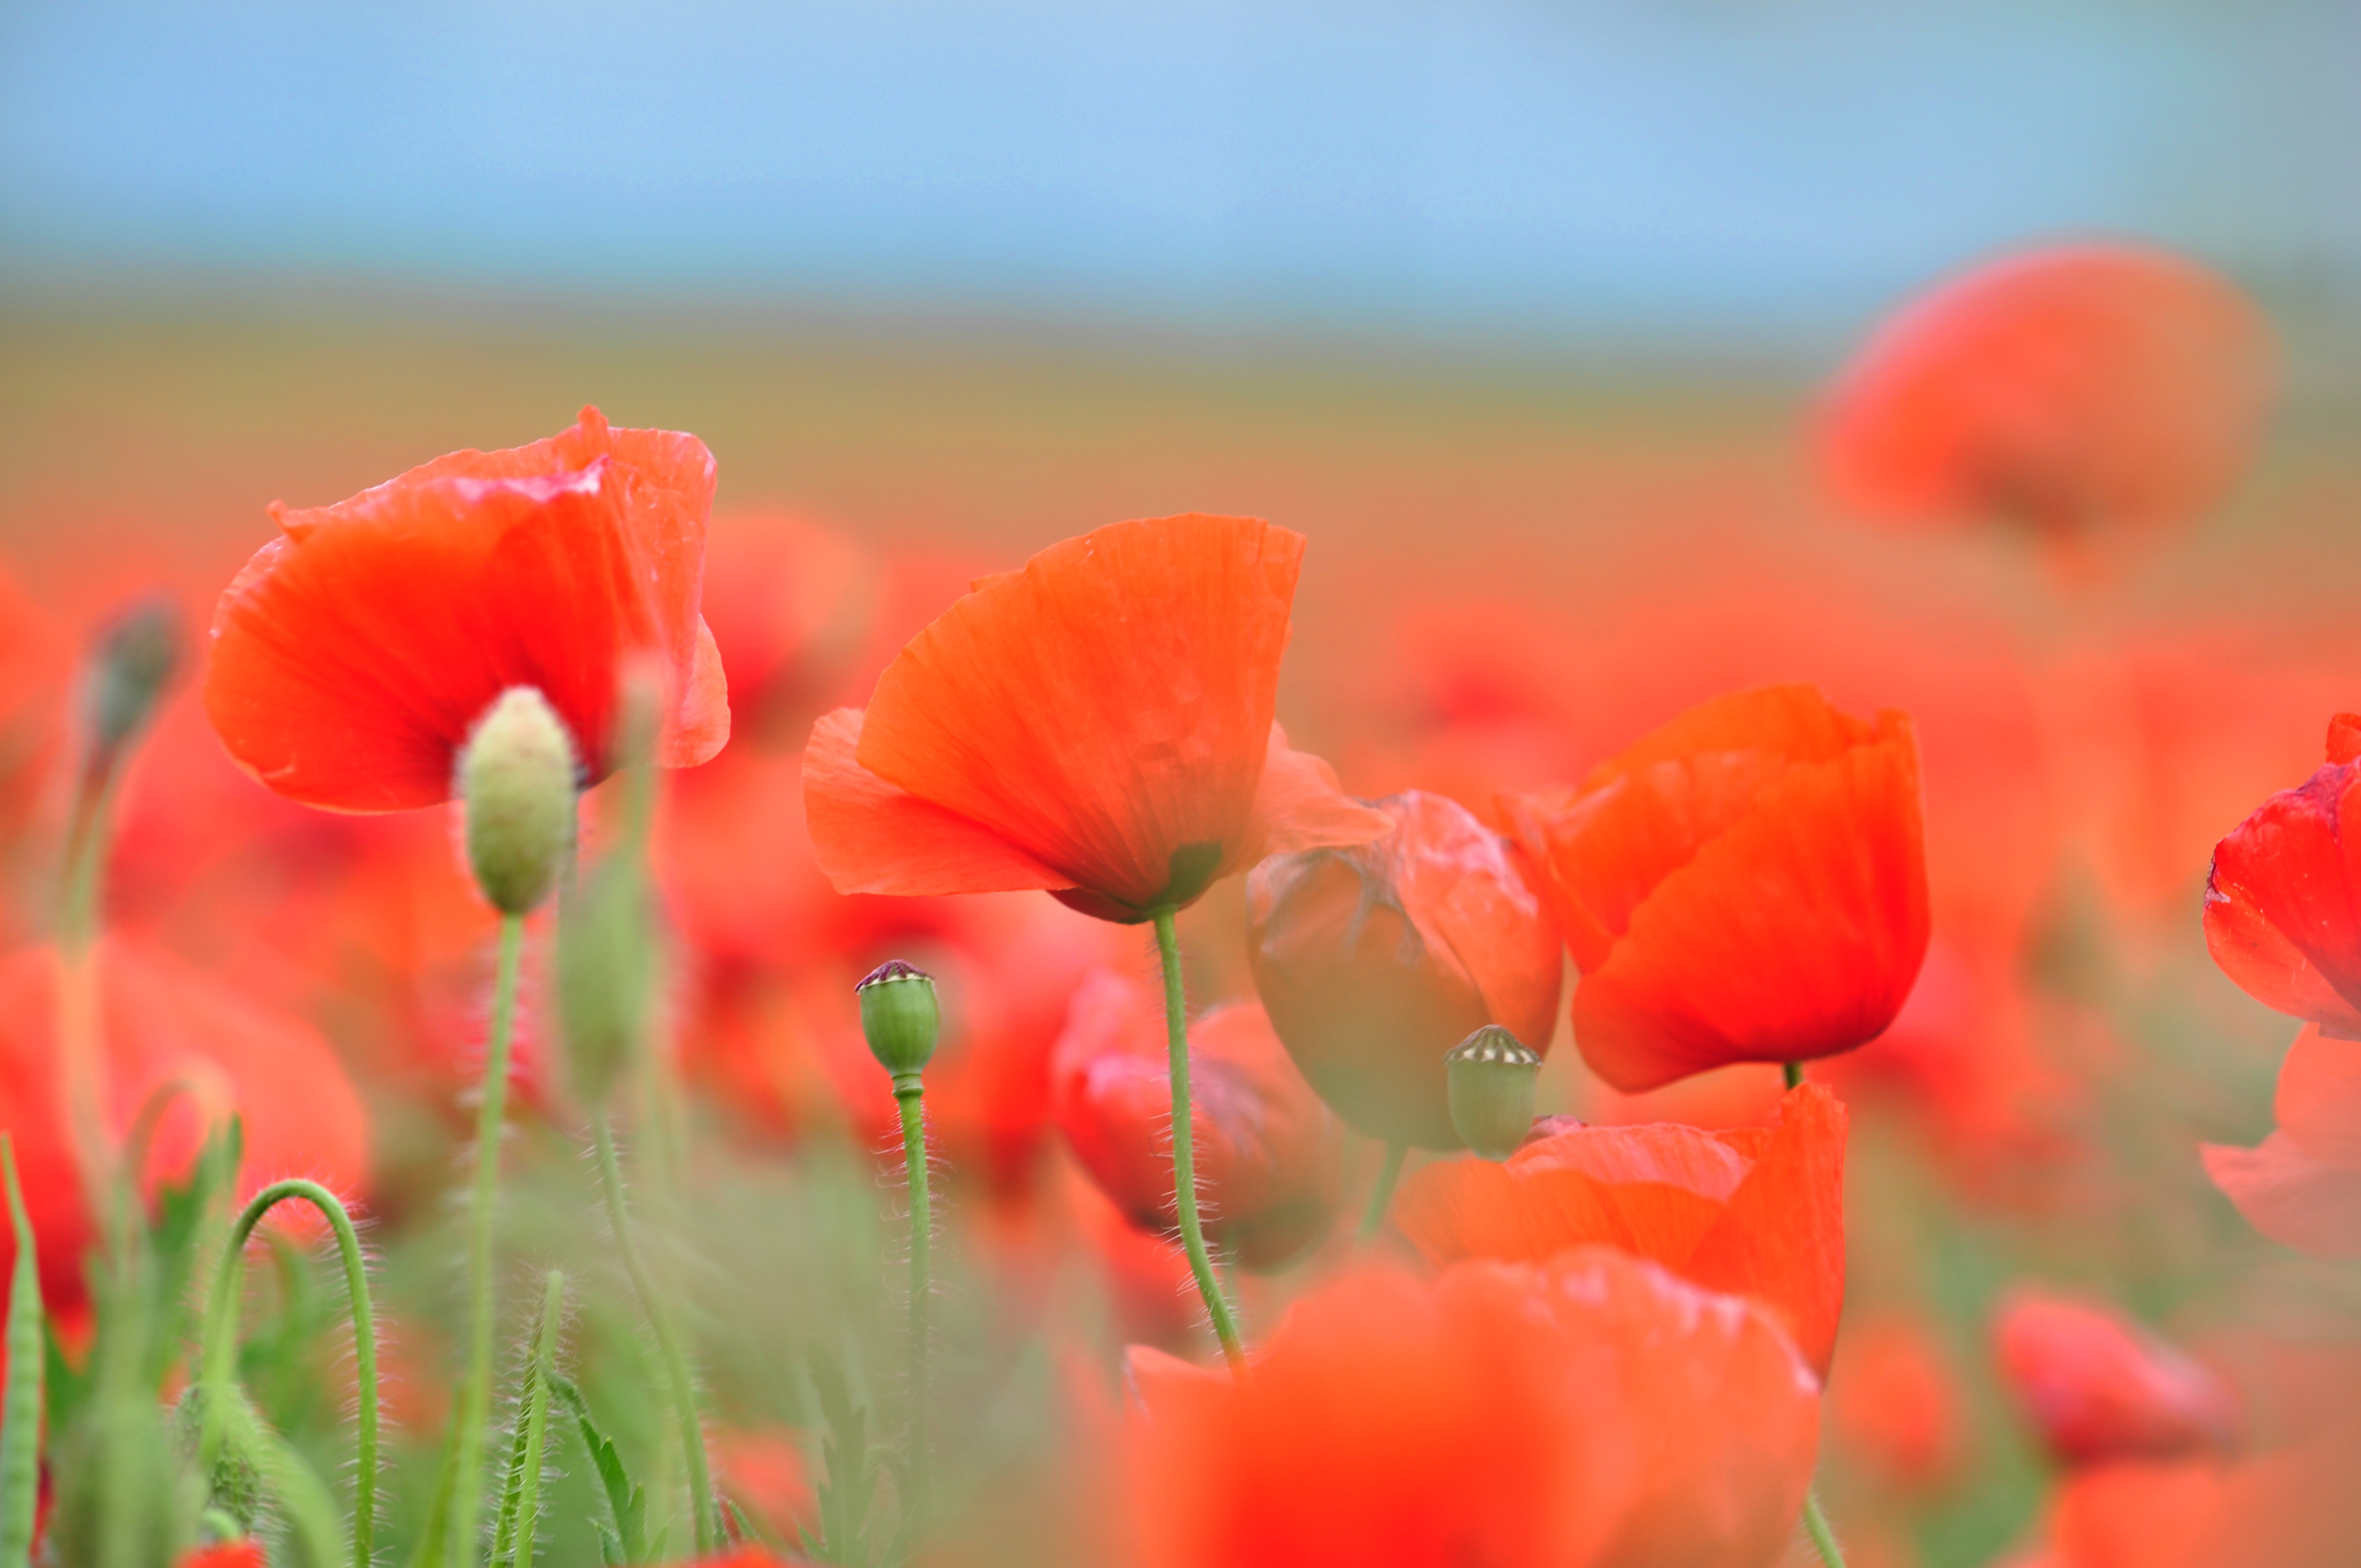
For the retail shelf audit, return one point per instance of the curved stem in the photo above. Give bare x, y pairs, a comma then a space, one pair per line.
1824, 1539
910, 1094
1382, 1199
1184, 1155
218, 1348
476, 1396
676, 1363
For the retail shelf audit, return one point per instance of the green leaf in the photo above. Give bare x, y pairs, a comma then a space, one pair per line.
435, 1538
852, 1472
20, 1404
627, 1503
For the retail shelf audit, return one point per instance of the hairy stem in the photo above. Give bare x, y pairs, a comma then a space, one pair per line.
909, 1091
476, 1395
536, 1420
1184, 1155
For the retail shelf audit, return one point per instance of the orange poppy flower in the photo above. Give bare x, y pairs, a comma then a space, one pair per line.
2283, 897
1375, 959
161, 1022
1589, 1412
355, 652
1097, 725
2097, 1387
2301, 1186
1757, 1212
1269, 1156
1748, 883
2080, 391
244, 1552
1894, 1402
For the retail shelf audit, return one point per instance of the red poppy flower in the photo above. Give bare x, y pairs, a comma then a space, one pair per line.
1895, 1403
1589, 1412
1748, 883
161, 1021
1269, 1156
2079, 391
355, 652
2281, 914
2096, 1386
1375, 959
244, 1552
2301, 1186
1098, 725
1757, 1212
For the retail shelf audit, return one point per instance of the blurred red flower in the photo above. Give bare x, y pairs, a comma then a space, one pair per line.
1748, 883
161, 1022
2302, 1185
2281, 915
1374, 959
2080, 392
354, 653
1097, 725
1895, 1401
244, 1552
1594, 1410
1757, 1212
1269, 1155
2097, 1387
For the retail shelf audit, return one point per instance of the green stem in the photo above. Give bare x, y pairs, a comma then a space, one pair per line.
675, 1362
1184, 1154
910, 1092
218, 1350
1792, 1072
476, 1397
1382, 1199
545, 1361
1815, 1524
20, 1407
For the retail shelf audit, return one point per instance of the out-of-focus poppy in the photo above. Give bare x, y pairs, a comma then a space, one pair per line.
1375, 959
244, 1552
163, 1022
2080, 393
1757, 1212
763, 1470
2096, 1387
1097, 725
790, 605
1268, 1153
2281, 914
1590, 1411
356, 652
2302, 1185
1748, 883
1895, 1401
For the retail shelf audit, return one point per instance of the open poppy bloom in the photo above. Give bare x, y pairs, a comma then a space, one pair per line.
1757, 1212
1748, 883
2080, 392
2097, 1387
1894, 1402
2283, 901
1269, 1164
1374, 959
1097, 725
1590, 1412
356, 652
163, 1023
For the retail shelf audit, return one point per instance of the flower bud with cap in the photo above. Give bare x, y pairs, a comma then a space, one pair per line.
1492, 1077
517, 779
901, 1017
132, 663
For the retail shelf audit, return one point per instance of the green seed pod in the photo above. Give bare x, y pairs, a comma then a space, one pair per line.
901, 1017
1492, 1076
129, 669
517, 776
606, 976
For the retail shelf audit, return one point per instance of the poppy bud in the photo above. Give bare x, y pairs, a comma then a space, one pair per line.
899, 1014
129, 669
606, 975
1491, 1078
516, 777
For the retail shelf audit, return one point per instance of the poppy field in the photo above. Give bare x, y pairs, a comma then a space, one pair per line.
684, 941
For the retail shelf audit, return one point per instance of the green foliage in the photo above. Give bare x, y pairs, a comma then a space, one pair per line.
20, 1404
623, 1533
854, 1470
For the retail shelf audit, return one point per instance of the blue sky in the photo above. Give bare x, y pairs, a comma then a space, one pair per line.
1764, 168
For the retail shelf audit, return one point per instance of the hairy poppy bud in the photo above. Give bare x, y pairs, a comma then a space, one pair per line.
1491, 1078
131, 666
516, 777
899, 1014
606, 975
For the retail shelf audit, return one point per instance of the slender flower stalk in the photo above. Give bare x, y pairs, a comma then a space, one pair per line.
218, 1350
679, 1384
20, 1407
536, 1421
910, 1092
1185, 1162
1382, 1199
1816, 1523
476, 1394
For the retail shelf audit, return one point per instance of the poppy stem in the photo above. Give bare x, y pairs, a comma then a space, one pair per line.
1793, 1072
676, 1363
475, 1404
1824, 1539
1383, 1198
910, 1092
1184, 1155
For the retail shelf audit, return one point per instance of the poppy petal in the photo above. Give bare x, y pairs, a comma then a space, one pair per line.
1781, 1239
2290, 1196
1298, 805
870, 836
2319, 1098
699, 726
